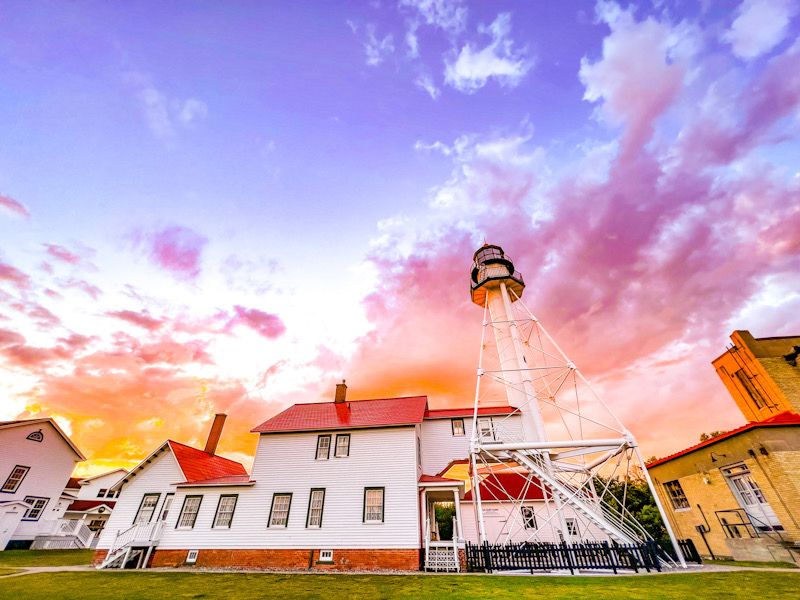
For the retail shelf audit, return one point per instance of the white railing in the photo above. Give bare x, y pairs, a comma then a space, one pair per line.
427, 540
143, 533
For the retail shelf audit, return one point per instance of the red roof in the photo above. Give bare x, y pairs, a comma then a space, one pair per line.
73, 483
320, 416
449, 413
198, 465
438, 479
781, 419
507, 487
82, 505
229, 480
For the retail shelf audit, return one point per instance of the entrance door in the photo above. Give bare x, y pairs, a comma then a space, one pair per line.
751, 498
9, 520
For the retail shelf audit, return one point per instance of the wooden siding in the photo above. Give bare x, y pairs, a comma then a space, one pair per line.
285, 463
440, 446
51, 462
156, 478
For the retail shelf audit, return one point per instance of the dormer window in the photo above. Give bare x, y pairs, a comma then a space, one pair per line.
457, 425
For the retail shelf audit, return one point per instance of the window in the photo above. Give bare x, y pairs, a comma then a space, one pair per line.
102, 493
225, 508
188, 516
14, 479
316, 502
457, 425
373, 505
326, 556
486, 428
528, 517
572, 527
166, 506
191, 556
323, 447
676, 495
36, 509
146, 509
279, 512
342, 445
97, 525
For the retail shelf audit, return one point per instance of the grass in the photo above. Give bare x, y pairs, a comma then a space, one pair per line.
7, 571
97, 585
45, 558
751, 563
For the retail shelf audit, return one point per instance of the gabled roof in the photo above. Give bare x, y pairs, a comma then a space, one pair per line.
483, 411
21, 422
507, 487
786, 418
437, 479
84, 505
194, 464
233, 480
359, 414
121, 471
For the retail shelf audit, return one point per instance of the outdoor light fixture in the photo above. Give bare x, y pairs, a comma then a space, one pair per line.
714, 456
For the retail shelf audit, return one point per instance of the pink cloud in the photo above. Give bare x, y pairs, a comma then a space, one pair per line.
265, 324
140, 319
10, 338
14, 276
175, 249
62, 254
14, 207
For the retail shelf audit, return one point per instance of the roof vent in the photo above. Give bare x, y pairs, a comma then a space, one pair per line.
341, 392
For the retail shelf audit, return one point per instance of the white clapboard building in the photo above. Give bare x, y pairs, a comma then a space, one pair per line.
334, 485
36, 460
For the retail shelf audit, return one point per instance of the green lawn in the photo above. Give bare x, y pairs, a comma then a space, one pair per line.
7, 571
751, 563
45, 558
97, 585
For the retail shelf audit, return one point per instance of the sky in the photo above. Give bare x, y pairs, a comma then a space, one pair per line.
232, 206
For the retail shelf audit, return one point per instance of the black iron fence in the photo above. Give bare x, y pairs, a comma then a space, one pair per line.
688, 549
550, 557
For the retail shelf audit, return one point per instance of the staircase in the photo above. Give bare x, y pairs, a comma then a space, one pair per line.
442, 558
63, 534
136, 542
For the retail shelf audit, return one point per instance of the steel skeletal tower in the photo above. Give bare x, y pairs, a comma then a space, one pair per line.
561, 443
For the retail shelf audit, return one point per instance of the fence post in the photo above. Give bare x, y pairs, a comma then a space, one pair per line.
487, 557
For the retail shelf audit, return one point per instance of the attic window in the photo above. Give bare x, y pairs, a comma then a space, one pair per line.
35, 436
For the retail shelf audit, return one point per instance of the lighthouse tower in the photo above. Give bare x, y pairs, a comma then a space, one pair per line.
567, 443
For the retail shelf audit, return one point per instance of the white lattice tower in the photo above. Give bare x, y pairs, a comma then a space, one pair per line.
567, 441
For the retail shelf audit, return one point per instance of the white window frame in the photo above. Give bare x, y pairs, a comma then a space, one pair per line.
284, 521
14, 480
190, 511
314, 517
166, 506
191, 556
37, 506
573, 529
490, 435
369, 509
342, 436
453, 427
528, 517
326, 556
102, 492
223, 518
326, 447
137, 520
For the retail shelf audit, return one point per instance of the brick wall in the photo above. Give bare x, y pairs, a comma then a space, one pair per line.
99, 556
343, 560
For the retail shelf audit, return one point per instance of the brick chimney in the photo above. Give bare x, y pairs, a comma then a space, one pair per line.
215, 433
341, 392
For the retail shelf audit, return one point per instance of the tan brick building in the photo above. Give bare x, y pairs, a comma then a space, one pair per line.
737, 494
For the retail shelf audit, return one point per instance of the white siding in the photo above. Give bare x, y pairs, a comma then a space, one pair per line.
285, 463
503, 517
89, 489
51, 462
158, 477
440, 446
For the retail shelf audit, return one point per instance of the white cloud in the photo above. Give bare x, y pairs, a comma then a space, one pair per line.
377, 49
412, 41
163, 114
426, 83
191, 110
760, 25
471, 69
449, 15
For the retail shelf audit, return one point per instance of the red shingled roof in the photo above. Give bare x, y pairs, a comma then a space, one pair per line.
229, 480
198, 465
382, 412
73, 483
82, 505
781, 419
507, 487
449, 413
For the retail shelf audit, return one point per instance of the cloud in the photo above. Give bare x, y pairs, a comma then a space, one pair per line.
471, 69
14, 276
62, 254
377, 49
191, 110
265, 324
164, 114
12, 206
176, 249
140, 319
425, 82
448, 15
760, 25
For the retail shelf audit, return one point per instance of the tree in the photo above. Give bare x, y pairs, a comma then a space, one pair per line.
708, 436
639, 503
444, 519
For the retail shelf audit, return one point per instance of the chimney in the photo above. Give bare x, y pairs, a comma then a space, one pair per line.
341, 392
215, 433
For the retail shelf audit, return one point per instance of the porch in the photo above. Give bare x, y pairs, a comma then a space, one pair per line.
442, 537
